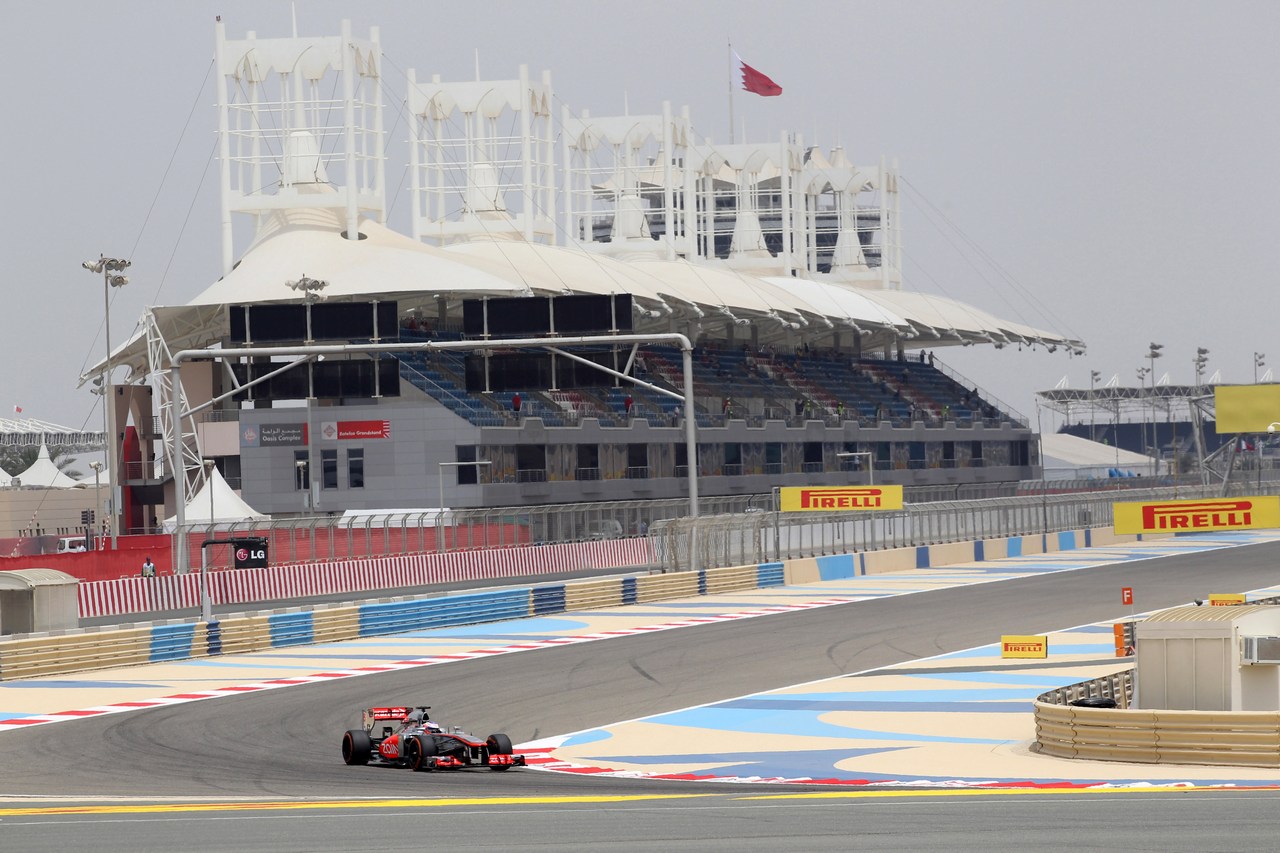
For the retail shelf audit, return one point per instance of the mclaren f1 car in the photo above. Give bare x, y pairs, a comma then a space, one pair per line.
406, 736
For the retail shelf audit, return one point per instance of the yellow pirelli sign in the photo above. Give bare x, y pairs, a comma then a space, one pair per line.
1226, 599
839, 498
1021, 646
1201, 514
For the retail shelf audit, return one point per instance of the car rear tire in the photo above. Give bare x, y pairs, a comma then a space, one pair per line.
356, 747
499, 744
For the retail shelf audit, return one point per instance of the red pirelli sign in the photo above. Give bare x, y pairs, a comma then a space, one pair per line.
1203, 514
839, 498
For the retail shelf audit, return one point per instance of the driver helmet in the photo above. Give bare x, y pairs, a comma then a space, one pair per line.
433, 727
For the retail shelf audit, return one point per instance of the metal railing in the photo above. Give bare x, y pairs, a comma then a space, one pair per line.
768, 536
735, 530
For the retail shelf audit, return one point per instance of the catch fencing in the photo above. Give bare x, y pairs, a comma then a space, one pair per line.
764, 536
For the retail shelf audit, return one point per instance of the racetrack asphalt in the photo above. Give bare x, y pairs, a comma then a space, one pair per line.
282, 744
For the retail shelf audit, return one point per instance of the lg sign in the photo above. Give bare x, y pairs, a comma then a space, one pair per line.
250, 553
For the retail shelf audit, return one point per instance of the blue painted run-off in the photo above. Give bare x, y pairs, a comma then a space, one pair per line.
171, 642
291, 629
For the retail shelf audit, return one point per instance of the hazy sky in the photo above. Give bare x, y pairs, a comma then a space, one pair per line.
1116, 161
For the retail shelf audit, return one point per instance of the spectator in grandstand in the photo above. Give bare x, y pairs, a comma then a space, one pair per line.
840, 409
515, 404
906, 376
931, 358
627, 404
799, 407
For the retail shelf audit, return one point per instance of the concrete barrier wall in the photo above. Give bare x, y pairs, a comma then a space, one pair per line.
86, 649
93, 649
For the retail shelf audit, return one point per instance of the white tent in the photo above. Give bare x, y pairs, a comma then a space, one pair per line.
216, 503
1071, 457
44, 474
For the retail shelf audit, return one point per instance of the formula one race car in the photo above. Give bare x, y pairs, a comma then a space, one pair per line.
406, 736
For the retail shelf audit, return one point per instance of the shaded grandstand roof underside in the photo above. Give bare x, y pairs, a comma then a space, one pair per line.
668, 295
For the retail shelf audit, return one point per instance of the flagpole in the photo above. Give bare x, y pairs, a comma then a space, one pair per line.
732, 69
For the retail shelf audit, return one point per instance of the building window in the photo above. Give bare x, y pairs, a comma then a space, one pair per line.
355, 468
328, 469
301, 471
468, 475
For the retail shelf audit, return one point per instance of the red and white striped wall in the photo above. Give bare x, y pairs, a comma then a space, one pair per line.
246, 586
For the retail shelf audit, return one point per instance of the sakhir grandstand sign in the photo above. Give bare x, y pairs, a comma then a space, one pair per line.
839, 498
1204, 514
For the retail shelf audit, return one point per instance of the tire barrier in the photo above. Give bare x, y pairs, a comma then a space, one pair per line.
249, 586
87, 649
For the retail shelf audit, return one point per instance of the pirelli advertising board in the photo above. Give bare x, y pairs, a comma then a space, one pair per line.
1024, 646
1202, 514
839, 498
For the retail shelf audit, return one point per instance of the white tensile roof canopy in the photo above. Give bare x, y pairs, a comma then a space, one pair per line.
217, 503
44, 474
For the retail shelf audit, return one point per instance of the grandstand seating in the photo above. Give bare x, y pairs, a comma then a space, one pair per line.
728, 384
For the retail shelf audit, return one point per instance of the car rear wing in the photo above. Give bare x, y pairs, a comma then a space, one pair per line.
397, 713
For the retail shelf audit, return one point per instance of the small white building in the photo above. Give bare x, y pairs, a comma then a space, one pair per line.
1210, 659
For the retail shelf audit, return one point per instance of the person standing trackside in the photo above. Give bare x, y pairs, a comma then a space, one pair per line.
148, 568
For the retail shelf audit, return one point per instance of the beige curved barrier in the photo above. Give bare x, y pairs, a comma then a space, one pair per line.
1152, 736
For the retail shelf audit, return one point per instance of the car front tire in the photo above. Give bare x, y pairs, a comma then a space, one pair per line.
499, 744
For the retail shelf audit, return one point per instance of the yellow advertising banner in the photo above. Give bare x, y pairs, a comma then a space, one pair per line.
1225, 599
1022, 646
1196, 515
1245, 408
839, 498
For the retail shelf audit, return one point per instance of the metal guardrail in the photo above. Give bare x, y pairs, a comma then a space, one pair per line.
935, 514
1117, 686
764, 536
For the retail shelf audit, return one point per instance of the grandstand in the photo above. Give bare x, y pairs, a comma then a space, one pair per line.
780, 262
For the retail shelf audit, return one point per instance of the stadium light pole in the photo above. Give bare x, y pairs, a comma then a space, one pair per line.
1094, 376
312, 291
440, 512
111, 270
871, 462
97, 485
1152, 354
1201, 359
1142, 383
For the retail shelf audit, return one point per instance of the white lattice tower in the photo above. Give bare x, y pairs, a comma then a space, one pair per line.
482, 160
744, 191
299, 126
621, 170
159, 358
851, 221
